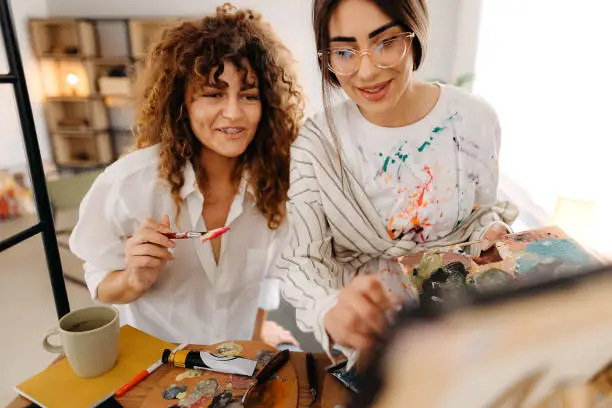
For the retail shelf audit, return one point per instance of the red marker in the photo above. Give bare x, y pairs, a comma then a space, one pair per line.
143, 374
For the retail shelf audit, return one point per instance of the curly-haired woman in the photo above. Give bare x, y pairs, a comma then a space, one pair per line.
220, 109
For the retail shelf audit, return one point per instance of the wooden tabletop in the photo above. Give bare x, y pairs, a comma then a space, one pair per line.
331, 392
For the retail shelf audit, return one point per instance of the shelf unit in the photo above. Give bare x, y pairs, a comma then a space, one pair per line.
88, 69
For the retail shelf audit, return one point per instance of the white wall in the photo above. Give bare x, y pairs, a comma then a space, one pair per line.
292, 22
12, 153
441, 54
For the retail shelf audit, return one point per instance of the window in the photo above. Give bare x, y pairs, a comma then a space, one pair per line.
546, 66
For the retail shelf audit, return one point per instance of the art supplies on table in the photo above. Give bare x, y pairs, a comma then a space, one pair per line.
311, 370
202, 360
58, 386
268, 370
144, 374
195, 388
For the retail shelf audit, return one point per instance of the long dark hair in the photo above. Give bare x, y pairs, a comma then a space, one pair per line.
412, 15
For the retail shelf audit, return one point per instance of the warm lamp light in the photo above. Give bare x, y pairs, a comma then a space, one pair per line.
73, 81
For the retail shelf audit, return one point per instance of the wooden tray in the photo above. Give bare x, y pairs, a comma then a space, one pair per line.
280, 392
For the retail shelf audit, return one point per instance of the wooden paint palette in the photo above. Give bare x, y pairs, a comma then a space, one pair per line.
280, 392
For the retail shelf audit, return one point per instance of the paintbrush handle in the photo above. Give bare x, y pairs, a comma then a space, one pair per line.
175, 235
453, 246
204, 236
311, 369
277, 362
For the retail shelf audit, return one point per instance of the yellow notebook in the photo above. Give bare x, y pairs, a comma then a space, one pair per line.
59, 386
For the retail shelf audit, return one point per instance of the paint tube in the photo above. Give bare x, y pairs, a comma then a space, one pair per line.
201, 360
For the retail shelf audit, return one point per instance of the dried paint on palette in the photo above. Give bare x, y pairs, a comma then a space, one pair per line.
189, 373
240, 383
203, 391
553, 256
229, 349
263, 357
173, 391
225, 400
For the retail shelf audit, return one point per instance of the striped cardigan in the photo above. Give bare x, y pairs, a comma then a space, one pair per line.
336, 230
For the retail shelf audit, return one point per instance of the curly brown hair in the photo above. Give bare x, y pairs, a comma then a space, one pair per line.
191, 51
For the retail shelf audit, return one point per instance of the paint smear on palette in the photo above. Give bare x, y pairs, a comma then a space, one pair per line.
190, 373
224, 400
240, 383
263, 357
229, 349
173, 391
554, 256
202, 393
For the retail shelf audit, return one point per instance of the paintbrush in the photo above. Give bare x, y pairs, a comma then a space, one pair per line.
311, 369
204, 236
277, 362
456, 246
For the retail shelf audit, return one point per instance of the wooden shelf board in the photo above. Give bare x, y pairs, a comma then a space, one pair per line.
83, 99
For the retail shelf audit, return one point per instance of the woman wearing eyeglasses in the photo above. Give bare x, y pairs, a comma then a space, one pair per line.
399, 167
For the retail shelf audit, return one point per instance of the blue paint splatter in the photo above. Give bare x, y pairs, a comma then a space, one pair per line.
553, 249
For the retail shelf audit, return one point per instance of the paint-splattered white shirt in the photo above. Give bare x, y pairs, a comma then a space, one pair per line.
425, 178
359, 213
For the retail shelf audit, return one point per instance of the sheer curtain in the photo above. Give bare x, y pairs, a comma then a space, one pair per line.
546, 66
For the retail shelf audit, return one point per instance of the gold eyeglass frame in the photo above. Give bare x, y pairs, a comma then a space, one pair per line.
325, 54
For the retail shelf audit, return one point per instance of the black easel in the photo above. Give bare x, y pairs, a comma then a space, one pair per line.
45, 219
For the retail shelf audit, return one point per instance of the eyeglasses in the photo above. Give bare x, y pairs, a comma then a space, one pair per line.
385, 54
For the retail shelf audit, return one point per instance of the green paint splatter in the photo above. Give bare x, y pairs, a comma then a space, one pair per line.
400, 156
438, 129
386, 164
380, 154
423, 146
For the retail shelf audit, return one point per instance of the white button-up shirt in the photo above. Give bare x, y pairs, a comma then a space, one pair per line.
195, 299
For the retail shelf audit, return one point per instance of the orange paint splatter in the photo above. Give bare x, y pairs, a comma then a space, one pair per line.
417, 202
426, 187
